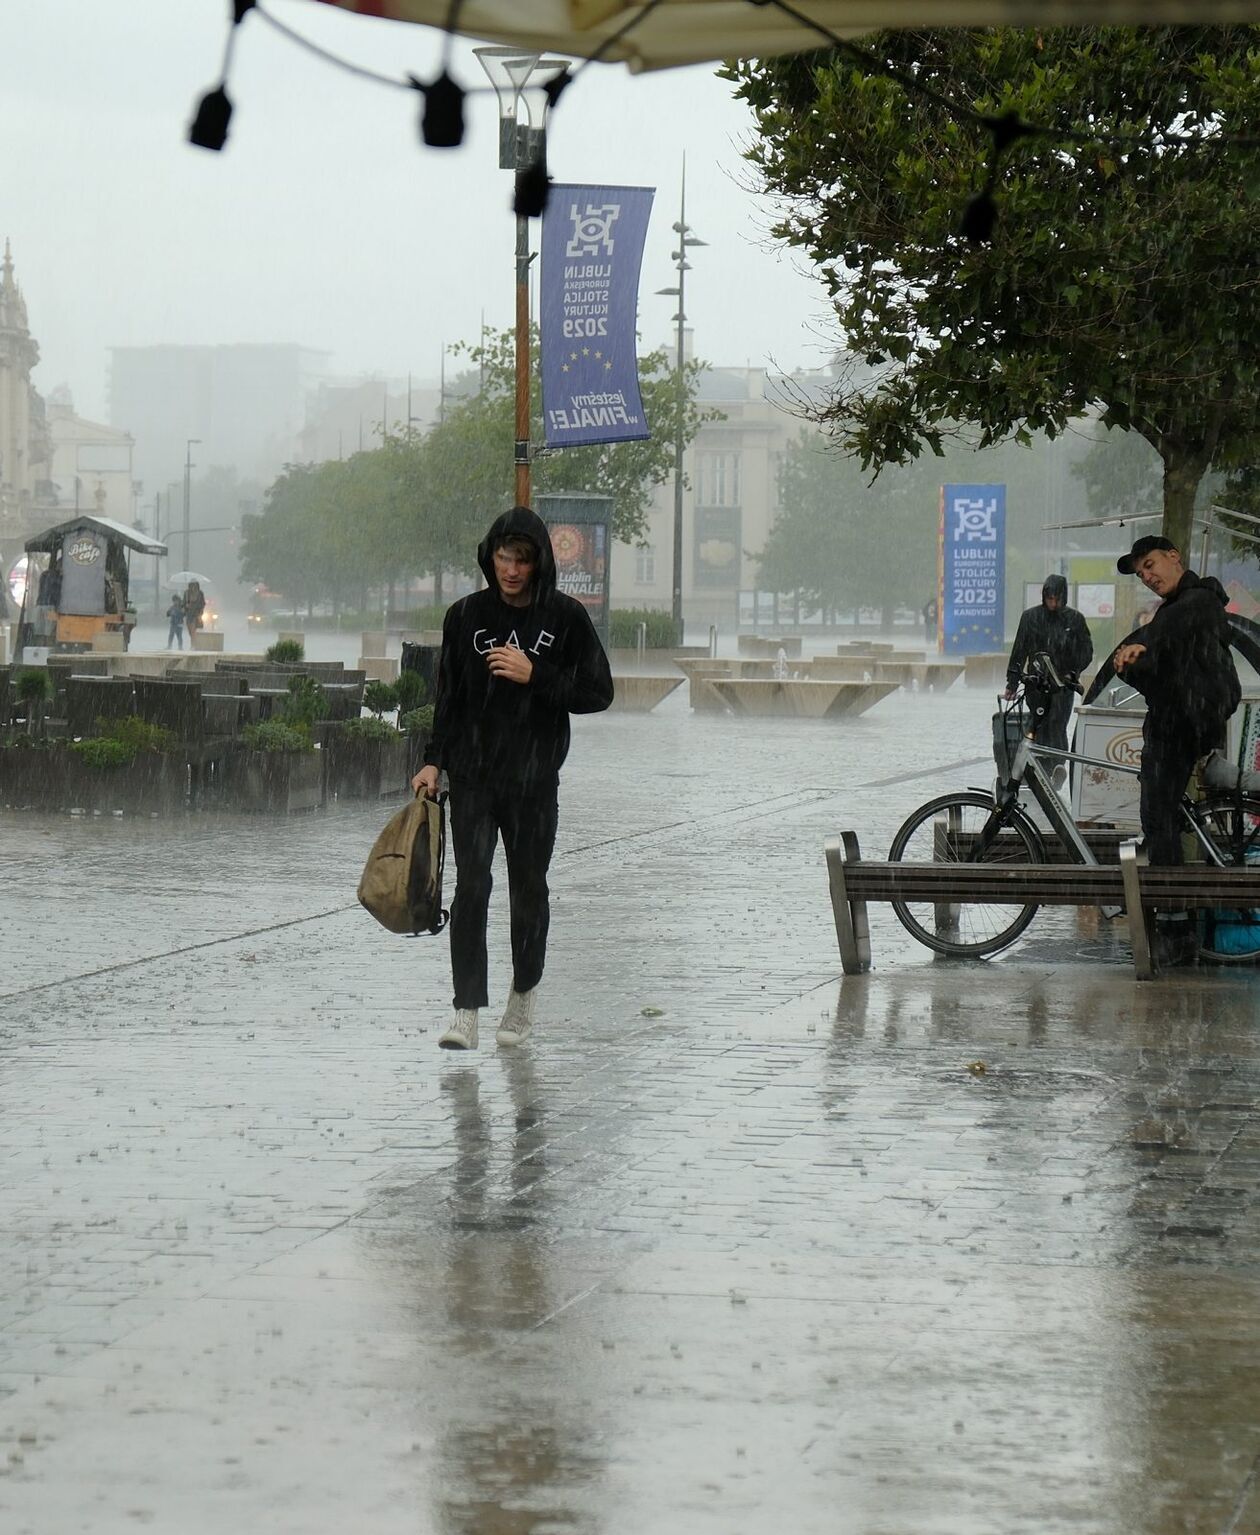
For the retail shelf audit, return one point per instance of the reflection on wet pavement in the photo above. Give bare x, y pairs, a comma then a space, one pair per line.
735, 1245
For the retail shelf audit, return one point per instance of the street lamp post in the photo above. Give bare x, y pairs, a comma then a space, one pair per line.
189, 466
685, 241
522, 145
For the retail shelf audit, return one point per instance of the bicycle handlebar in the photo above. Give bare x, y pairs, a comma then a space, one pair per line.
1042, 672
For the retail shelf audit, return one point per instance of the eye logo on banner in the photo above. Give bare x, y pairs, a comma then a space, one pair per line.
972, 567
592, 249
592, 230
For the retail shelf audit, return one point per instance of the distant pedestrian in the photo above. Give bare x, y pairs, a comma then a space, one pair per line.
930, 613
175, 617
517, 659
1060, 632
194, 607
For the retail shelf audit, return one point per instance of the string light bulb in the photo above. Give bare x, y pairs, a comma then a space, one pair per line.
209, 127
442, 117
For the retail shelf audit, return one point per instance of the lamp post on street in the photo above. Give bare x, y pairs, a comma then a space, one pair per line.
686, 240
519, 80
189, 466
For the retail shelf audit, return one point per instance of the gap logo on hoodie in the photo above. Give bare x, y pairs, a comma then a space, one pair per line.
484, 641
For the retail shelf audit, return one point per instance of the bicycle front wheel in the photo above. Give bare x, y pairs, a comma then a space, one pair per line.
948, 830
1233, 938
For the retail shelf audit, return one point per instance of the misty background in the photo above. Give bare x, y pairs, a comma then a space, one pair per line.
328, 262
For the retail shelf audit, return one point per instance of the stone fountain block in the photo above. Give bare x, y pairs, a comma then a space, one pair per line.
639, 694
768, 697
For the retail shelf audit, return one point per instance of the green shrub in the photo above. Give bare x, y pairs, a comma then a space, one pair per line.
415, 720
420, 618
412, 690
32, 685
105, 752
369, 728
276, 736
138, 734
380, 697
623, 628
306, 703
286, 650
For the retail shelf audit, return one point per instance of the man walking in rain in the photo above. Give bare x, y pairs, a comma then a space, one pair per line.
517, 659
1062, 633
1182, 666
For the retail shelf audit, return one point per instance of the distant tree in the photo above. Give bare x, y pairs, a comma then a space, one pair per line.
420, 502
1121, 274
472, 448
835, 534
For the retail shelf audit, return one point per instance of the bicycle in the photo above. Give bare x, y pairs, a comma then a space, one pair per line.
992, 826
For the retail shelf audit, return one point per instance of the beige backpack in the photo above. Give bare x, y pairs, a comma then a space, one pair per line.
402, 879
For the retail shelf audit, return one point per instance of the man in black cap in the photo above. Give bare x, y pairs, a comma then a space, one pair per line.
1182, 666
1060, 632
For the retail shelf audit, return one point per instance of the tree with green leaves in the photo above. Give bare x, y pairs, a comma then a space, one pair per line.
481, 428
421, 501
1120, 276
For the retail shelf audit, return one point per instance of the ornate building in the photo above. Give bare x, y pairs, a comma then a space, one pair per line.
25, 447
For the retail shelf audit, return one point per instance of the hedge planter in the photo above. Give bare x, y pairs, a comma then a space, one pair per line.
359, 767
282, 782
58, 778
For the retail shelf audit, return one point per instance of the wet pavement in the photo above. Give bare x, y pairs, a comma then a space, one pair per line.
734, 1245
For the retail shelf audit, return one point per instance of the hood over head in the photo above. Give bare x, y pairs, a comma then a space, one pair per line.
1055, 586
520, 522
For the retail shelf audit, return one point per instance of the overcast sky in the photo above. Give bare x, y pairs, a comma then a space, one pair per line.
325, 222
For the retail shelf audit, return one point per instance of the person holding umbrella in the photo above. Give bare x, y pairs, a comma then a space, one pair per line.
194, 607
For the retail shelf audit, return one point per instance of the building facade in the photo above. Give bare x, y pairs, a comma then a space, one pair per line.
730, 500
25, 448
242, 406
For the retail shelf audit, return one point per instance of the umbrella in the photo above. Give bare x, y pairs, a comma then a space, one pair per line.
671, 32
183, 577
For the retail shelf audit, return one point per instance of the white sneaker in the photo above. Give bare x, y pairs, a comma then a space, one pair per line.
517, 1023
462, 1034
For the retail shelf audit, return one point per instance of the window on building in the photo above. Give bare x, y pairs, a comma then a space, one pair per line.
645, 566
717, 479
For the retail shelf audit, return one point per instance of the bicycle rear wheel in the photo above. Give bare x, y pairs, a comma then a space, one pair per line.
947, 830
1233, 938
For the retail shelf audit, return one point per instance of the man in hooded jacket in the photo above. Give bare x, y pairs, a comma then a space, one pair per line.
517, 659
1062, 633
1182, 666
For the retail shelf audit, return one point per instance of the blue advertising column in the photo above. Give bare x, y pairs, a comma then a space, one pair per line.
972, 569
581, 540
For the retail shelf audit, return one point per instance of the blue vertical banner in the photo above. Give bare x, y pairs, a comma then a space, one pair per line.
592, 249
972, 564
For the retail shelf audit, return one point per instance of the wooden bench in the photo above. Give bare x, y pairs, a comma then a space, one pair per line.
1131, 886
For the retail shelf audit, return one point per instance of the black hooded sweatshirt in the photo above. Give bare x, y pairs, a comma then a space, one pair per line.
1063, 635
488, 730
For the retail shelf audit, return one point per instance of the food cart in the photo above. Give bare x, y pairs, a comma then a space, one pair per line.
82, 591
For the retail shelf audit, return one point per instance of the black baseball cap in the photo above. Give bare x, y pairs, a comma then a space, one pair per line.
1127, 563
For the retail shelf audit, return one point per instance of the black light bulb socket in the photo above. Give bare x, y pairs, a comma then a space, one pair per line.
209, 129
533, 189
442, 120
979, 219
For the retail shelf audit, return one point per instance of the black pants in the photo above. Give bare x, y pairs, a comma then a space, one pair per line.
1170, 749
1052, 728
527, 821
